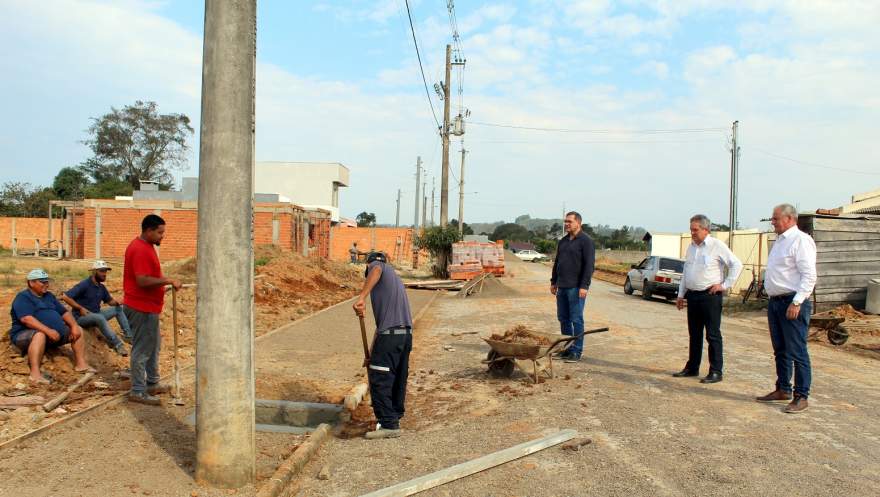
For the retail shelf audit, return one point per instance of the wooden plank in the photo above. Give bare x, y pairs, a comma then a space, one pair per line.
852, 225
850, 255
831, 236
848, 246
25, 400
842, 297
458, 471
847, 268
849, 281
826, 290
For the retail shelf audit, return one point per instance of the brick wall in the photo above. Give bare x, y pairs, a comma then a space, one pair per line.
28, 228
384, 239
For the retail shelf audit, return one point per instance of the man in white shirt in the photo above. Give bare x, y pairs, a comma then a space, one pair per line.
703, 285
789, 281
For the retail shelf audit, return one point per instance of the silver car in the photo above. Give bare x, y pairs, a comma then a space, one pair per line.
655, 276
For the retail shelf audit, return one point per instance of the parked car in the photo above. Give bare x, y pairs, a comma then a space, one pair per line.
655, 276
530, 255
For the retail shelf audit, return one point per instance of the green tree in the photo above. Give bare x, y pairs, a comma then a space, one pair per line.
19, 199
466, 230
109, 189
70, 183
438, 241
366, 219
511, 232
522, 220
137, 143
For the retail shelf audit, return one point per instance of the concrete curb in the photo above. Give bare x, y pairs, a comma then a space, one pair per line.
120, 396
295, 463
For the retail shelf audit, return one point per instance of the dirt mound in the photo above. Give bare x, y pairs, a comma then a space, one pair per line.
522, 334
845, 311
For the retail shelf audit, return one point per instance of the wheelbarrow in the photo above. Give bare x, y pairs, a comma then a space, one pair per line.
505, 357
831, 326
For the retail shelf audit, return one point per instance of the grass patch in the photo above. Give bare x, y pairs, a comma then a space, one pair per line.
7, 270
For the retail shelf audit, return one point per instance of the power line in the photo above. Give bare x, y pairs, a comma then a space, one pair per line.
602, 131
810, 164
421, 68
527, 142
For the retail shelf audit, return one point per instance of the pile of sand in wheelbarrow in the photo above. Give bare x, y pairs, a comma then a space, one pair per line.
521, 334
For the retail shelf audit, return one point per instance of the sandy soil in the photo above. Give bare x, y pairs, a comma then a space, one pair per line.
653, 435
287, 287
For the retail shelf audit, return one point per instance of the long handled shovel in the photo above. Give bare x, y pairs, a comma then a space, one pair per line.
176, 399
364, 339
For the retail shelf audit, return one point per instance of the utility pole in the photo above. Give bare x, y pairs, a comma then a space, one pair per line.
397, 217
461, 193
432, 200
734, 183
225, 443
425, 204
444, 133
418, 194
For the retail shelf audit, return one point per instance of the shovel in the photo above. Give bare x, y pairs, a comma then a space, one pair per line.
364, 339
176, 399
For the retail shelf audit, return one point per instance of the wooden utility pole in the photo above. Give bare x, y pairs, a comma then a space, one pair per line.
397, 217
432, 200
418, 194
444, 133
734, 183
461, 194
425, 205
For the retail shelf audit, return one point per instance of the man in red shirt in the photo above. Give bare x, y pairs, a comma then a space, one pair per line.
144, 295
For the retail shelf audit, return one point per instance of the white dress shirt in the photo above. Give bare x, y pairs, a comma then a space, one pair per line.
791, 266
704, 266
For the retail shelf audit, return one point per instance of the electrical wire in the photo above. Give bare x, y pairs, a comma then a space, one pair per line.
421, 68
810, 164
602, 131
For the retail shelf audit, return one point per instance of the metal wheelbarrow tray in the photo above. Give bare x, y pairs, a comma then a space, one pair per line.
505, 357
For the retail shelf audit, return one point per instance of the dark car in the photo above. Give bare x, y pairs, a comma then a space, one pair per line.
655, 276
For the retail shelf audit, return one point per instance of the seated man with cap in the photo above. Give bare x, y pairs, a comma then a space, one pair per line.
40, 321
86, 297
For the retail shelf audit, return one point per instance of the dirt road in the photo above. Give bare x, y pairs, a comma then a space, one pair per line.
652, 434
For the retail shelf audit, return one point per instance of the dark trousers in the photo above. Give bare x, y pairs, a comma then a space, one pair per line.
389, 367
789, 339
145, 345
704, 312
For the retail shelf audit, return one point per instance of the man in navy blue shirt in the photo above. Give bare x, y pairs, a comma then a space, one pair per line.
40, 321
86, 297
389, 359
570, 281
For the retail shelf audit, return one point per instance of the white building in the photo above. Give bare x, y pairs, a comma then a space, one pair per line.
307, 184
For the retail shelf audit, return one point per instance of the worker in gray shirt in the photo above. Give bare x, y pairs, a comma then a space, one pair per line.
389, 357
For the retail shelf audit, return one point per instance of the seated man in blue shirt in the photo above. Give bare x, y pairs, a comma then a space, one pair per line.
39, 321
85, 298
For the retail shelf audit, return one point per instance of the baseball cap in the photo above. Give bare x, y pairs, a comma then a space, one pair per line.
37, 274
99, 264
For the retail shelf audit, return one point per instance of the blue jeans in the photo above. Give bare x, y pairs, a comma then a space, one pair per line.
145, 345
789, 338
101, 320
570, 313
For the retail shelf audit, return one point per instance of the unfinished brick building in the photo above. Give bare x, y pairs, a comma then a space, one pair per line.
101, 229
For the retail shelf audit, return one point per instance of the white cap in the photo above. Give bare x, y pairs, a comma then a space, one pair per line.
99, 264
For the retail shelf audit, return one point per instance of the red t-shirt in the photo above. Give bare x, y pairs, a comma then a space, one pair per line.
141, 259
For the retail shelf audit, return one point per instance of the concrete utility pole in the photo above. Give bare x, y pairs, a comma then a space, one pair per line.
444, 133
397, 217
461, 194
432, 200
425, 205
225, 443
734, 183
418, 194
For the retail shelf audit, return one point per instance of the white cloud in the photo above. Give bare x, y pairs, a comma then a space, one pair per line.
659, 70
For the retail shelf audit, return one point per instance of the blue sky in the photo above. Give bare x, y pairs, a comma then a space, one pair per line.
338, 81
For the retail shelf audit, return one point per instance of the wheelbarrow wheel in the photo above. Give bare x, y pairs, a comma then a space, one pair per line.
502, 368
837, 336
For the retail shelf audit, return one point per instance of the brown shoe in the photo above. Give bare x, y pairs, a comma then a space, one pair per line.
799, 404
775, 396
158, 388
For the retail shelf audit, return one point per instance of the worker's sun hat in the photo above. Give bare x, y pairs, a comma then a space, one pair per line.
99, 264
37, 274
